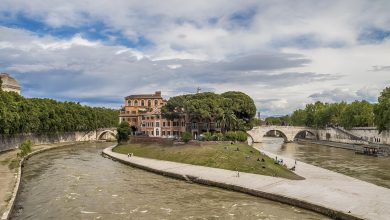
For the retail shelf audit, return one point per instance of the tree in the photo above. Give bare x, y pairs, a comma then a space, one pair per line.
242, 106
1, 84
382, 111
298, 118
235, 110
123, 132
358, 114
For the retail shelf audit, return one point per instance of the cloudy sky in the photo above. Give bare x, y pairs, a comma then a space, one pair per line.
284, 54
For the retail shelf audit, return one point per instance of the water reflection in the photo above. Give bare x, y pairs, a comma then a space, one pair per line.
367, 168
77, 183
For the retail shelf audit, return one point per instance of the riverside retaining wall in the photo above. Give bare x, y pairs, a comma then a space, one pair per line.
365, 133
12, 142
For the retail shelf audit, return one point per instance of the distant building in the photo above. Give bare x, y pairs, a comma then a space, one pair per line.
9, 83
143, 113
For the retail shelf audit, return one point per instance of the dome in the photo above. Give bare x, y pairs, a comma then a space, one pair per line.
9, 83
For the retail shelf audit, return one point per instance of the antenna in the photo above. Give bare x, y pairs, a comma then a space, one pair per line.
198, 89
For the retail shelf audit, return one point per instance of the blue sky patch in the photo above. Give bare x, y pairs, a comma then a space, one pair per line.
91, 31
373, 35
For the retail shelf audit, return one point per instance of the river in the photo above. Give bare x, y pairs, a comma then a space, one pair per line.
375, 170
78, 183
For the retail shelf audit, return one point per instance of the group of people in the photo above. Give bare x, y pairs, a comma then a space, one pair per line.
281, 163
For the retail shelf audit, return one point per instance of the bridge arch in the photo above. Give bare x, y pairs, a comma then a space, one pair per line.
282, 135
304, 133
104, 134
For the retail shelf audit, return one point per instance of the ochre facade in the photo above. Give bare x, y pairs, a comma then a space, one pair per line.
143, 113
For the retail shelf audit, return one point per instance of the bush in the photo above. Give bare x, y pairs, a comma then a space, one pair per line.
231, 136
207, 136
186, 136
241, 136
123, 132
218, 137
25, 148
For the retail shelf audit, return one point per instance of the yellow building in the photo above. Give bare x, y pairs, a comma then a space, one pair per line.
9, 83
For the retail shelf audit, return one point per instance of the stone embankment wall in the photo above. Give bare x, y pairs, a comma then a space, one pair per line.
12, 142
366, 134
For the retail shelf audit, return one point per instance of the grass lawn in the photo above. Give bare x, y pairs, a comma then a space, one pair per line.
223, 156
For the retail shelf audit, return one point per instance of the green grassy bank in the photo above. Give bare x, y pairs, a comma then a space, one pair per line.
225, 156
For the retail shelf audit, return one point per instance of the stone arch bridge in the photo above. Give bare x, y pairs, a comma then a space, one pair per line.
98, 134
289, 133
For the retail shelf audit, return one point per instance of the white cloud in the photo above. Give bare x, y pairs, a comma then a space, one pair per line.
278, 51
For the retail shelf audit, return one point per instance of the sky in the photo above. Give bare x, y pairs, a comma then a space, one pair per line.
284, 54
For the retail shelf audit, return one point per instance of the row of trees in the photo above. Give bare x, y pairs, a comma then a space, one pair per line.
235, 110
347, 115
24, 115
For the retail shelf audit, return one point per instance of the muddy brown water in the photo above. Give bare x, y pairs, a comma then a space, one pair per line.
78, 183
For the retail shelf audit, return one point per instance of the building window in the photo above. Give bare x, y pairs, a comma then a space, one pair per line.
157, 124
218, 124
155, 103
128, 102
157, 132
163, 133
149, 103
169, 124
136, 103
164, 124
133, 112
142, 103
206, 125
194, 125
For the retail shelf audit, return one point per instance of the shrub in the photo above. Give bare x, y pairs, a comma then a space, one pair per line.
218, 137
207, 136
241, 136
25, 148
230, 136
186, 136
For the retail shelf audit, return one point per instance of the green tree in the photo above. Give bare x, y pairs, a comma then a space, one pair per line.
357, 114
382, 111
235, 110
123, 132
298, 117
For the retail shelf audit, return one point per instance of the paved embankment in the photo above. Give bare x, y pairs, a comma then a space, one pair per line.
323, 191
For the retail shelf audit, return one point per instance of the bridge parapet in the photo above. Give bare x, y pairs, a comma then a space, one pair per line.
289, 133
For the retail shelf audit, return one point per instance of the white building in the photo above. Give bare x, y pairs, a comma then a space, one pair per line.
9, 83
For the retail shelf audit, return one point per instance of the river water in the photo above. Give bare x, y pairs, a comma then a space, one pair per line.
375, 170
78, 183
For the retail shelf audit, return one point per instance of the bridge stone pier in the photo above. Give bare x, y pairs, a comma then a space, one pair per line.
289, 133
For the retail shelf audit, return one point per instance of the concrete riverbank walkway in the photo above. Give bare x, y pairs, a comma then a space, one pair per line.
322, 189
